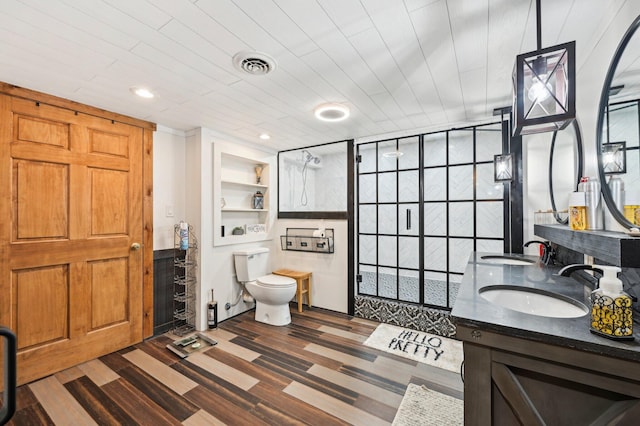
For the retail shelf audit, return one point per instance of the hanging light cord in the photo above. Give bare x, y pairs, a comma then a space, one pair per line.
539, 24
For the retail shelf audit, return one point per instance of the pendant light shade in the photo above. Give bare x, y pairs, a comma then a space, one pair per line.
544, 87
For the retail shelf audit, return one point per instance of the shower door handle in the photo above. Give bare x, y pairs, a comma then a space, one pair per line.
408, 219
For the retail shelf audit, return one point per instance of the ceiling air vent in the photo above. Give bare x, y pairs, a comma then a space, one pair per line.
254, 63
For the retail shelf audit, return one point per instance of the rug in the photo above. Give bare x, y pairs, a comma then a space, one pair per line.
423, 407
187, 345
431, 349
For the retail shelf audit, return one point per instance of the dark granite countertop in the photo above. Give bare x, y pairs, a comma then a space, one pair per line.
472, 310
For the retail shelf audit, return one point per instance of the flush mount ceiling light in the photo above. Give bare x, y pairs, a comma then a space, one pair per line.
264, 136
143, 92
544, 87
331, 112
254, 63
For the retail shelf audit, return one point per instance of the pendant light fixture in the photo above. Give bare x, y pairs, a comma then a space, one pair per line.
614, 158
503, 168
544, 86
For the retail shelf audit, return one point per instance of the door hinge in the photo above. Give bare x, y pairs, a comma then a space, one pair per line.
358, 158
358, 278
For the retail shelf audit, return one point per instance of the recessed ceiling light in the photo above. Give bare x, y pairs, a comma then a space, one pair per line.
143, 92
331, 112
265, 136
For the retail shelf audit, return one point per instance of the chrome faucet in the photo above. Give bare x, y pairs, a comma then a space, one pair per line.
548, 254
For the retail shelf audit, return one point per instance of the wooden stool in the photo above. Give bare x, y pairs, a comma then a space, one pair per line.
301, 278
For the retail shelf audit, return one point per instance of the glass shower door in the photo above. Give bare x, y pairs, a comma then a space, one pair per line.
389, 219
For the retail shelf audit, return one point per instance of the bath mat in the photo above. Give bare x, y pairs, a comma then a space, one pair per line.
431, 349
423, 407
190, 344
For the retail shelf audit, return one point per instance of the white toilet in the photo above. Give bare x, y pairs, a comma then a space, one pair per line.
271, 292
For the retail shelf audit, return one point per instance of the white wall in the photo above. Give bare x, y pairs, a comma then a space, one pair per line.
169, 184
215, 264
330, 271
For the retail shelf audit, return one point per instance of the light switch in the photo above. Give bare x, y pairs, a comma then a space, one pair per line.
168, 211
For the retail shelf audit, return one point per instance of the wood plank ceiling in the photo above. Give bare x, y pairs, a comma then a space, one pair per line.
400, 66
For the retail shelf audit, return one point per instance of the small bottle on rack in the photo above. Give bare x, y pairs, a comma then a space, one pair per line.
577, 211
184, 235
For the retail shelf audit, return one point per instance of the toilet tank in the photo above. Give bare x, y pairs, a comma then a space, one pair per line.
251, 264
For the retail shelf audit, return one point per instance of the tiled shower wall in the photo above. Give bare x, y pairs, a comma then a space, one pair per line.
316, 187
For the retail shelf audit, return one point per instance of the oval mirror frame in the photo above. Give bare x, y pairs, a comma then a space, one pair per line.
604, 102
579, 157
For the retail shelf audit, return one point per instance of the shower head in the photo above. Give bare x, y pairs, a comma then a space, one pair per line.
308, 157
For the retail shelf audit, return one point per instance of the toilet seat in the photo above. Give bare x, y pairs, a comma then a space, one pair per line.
276, 281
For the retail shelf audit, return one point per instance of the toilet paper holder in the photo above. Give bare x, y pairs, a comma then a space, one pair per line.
308, 239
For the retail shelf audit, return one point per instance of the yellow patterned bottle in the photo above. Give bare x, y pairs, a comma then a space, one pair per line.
632, 213
577, 211
611, 307
632, 206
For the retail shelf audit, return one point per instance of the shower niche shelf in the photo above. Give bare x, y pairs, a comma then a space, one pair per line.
235, 182
302, 239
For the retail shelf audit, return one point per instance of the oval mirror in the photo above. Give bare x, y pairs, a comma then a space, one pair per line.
564, 176
618, 122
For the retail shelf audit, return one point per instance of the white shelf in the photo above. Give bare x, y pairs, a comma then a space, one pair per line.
234, 209
244, 184
244, 238
243, 159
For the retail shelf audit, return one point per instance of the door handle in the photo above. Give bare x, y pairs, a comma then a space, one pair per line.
135, 246
9, 394
408, 219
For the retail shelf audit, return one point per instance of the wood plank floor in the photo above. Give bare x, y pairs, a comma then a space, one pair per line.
314, 371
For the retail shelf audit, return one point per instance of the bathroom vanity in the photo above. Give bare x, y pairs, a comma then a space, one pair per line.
525, 368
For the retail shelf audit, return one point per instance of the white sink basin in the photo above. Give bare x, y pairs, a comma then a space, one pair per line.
507, 260
533, 301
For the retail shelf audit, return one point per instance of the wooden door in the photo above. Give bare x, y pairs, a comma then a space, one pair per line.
71, 189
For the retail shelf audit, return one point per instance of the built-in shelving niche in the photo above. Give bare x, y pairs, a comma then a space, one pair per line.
235, 183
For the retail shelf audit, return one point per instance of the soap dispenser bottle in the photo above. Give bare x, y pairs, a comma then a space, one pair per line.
611, 307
